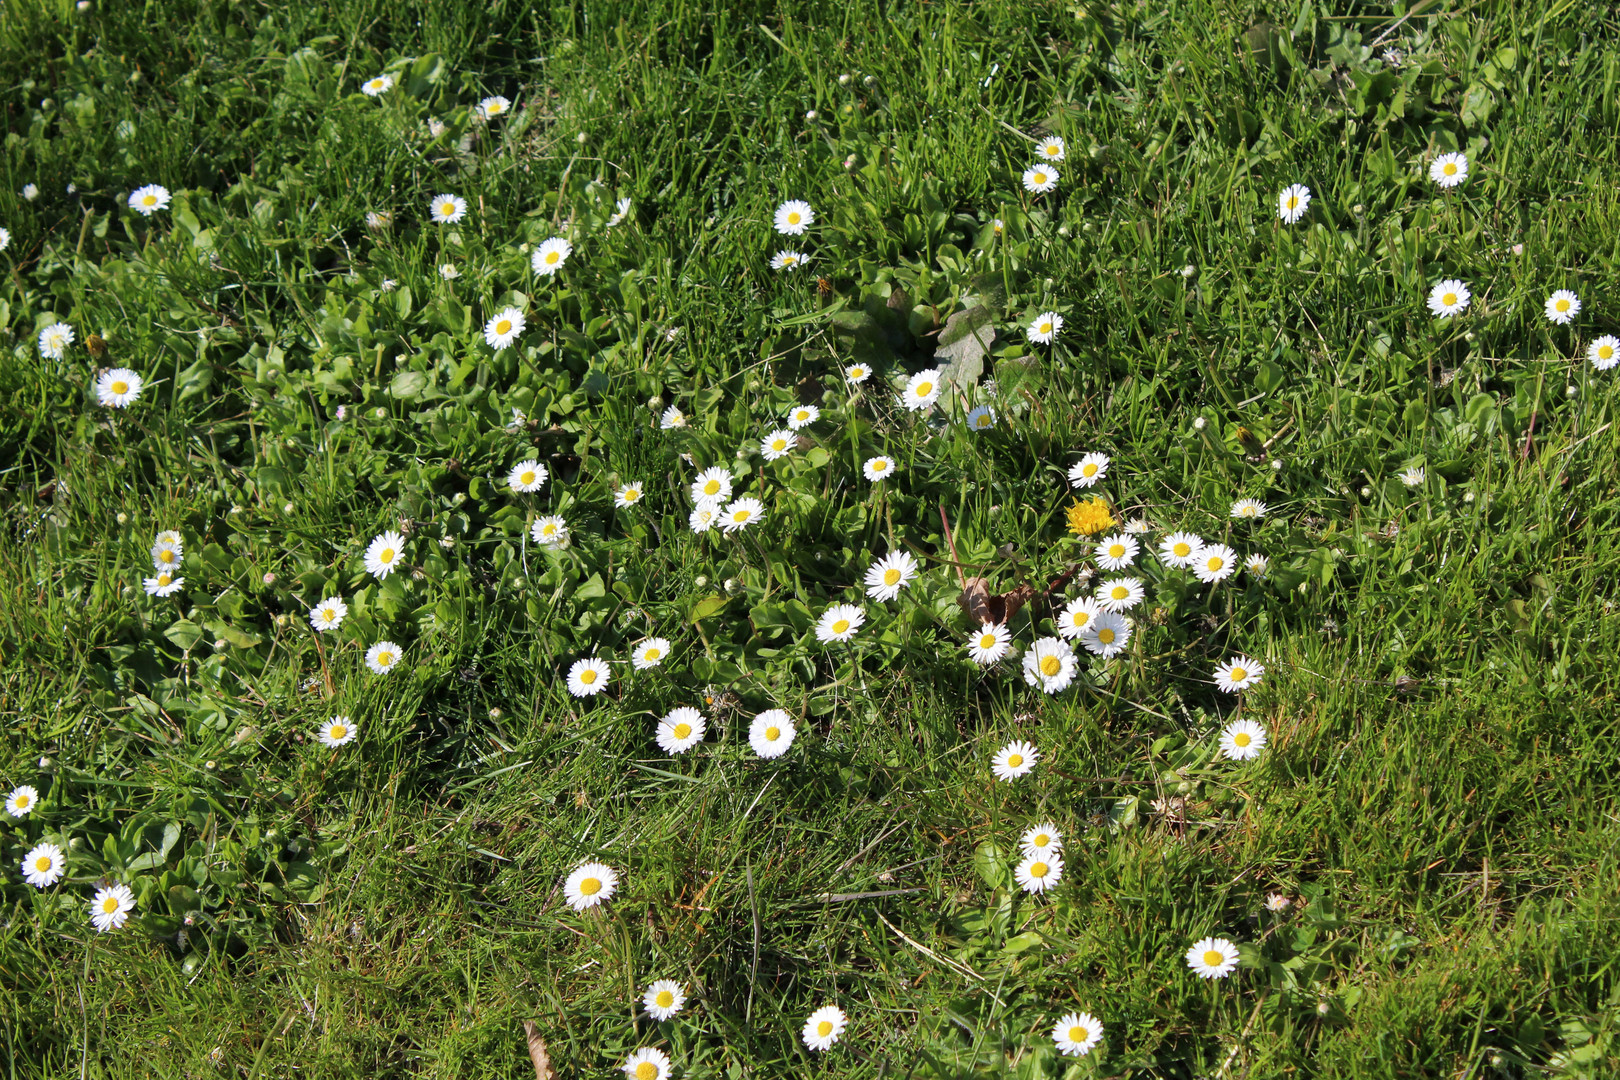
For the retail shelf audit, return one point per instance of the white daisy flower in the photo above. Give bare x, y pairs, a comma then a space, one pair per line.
163, 584
672, 418
1604, 352
166, 556
1180, 549
54, 340
989, 643
1076, 618
1043, 839
1051, 149
628, 495
44, 865
1116, 552
447, 209
1449, 170
982, 418
1088, 470
149, 200
1248, 508
793, 217
1212, 958
111, 907
328, 614
381, 219
5, 239
857, 373
803, 417
823, 1027
1292, 202
778, 444
1120, 594
504, 328
922, 389
771, 733
22, 800
1046, 327
1562, 307
1242, 740
787, 260
30, 192
712, 485
377, 85
382, 657
493, 106
740, 514
678, 732
650, 653
886, 577
648, 1063
1015, 759
526, 476
1107, 635
1039, 179
1449, 297
621, 210
703, 516
878, 468
1214, 562
1277, 902
590, 884
588, 677
1077, 1034
549, 257
1257, 564
1037, 873
550, 531
1138, 527
1238, 673
448, 272
115, 389
385, 555
1050, 665
839, 623
664, 998
1413, 476
336, 731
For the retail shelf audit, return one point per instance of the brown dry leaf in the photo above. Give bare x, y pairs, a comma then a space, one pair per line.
977, 601
538, 1052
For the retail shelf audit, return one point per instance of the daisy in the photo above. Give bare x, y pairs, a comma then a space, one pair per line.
1050, 664
649, 654
379, 85
1045, 328
1212, 958
1292, 202
886, 577
1449, 170
878, 468
164, 584
1088, 470
839, 623
1449, 297
1039, 179
1117, 552
1242, 740
1277, 902
115, 389
448, 209
1604, 352
550, 531
922, 389
857, 373
504, 328
169, 537
1107, 635
526, 476
1015, 759
5, 239
621, 210
1562, 307
823, 1027
703, 516
448, 272
1076, 618
982, 418
1180, 549
672, 418
328, 614
1077, 1034
1248, 508
787, 260
1050, 149
549, 256
1238, 673
381, 219
589, 885
678, 732
1214, 562
1257, 564
989, 643
166, 555
385, 554
111, 907
43, 865
382, 657
664, 999
149, 200
493, 106
778, 444
588, 677
1043, 839
740, 514
628, 495
20, 803
648, 1063
1413, 475
1120, 594
803, 417
771, 733
712, 485
336, 731
30, 192
793, 216
54, 340
1037, 873
1138, 527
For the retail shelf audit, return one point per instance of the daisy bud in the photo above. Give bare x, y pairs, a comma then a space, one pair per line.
458, 498
220, 644
843, 80
1569, 391
581, 138
701, 581
281, 620
1189, 271
45, 763
269, 578
380, 413
447, 542
1065, 232
1198, 423
655, 403
210, 765
287, 508
731, 587
236, 509
1518, 249
1366, 492
83, 5
849, 162
1358, 209
870, 80
123, 518
811, 115
1323, 1008
495, 713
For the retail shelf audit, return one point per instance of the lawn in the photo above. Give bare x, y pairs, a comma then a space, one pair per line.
365, 372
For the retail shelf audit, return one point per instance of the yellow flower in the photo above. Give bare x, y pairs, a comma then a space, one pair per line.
1088, 517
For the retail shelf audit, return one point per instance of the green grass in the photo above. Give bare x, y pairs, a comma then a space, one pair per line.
1439, 794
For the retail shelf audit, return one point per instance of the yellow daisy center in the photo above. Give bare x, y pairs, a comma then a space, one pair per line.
386, 555
110, 905
740, 516
653, 654
772, 734
924, 389
1078, 1034
327, 614
1038, 870
150, 200
1293, 201
1116, 551
23, 800
1079, 619
552, 257
1106, 635
1050, 666
793, 217
1450, 168
549, 530
337, 731
447, 209
120, 387
779, 444
1605, 351
1051, 151
527, 477
1212, 958
1562, 305
712, 488
1239, 674
646, 1071
681, 732
43, 863
1089, 470
632, 494
856, 373
1241, 739
840, 626
590, 886
1120, 593
1182, 550
984, 421
163, 579
1046, 327
891, 576
879, 465
1449, 299
495, 107
1015, 760
1040, 178
385, 658
504, 326
1216, 562
824, 1028
665, 999
587, 676
166, 555
987, 641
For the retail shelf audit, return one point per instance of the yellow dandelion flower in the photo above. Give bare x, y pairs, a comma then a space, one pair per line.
1088, 517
